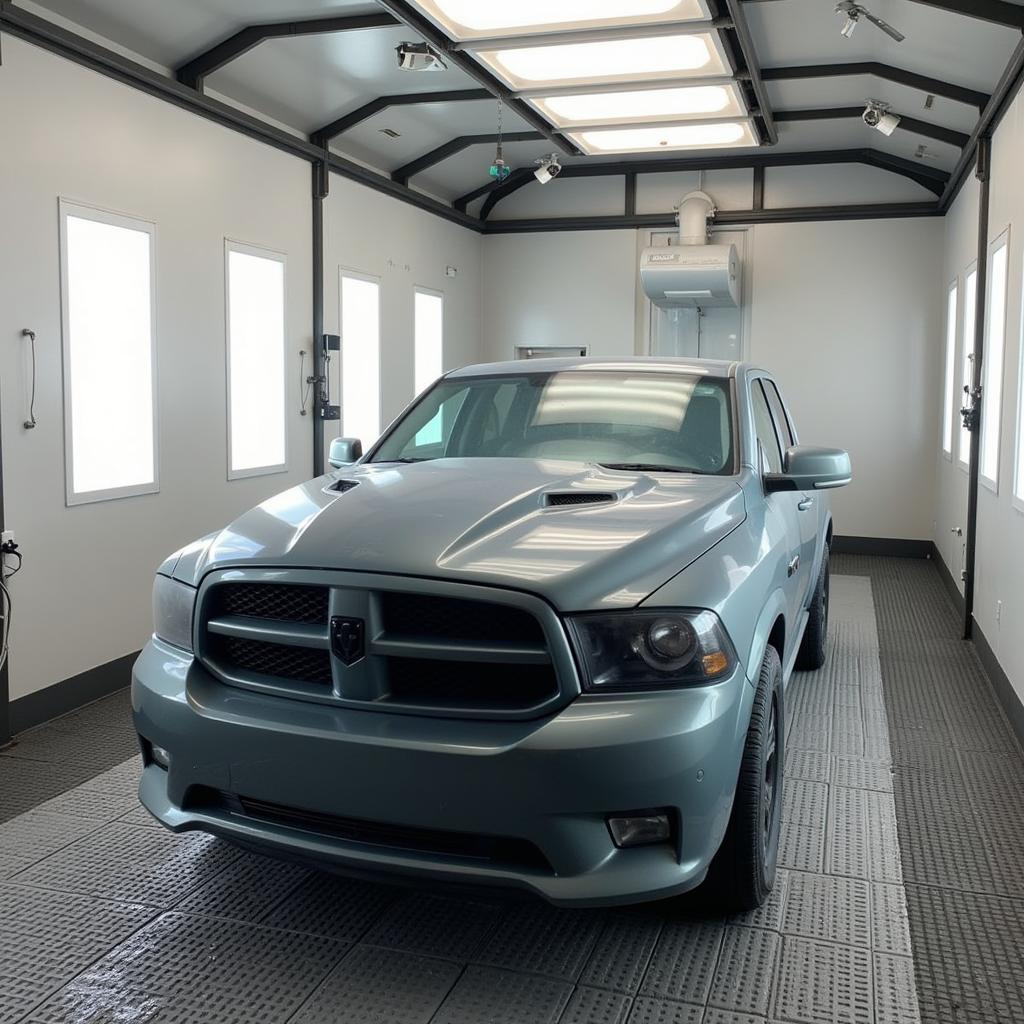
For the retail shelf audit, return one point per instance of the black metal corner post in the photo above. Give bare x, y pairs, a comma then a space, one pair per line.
321, 186
5, 686
976, 399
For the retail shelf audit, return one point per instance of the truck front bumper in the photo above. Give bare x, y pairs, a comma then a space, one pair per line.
446, 800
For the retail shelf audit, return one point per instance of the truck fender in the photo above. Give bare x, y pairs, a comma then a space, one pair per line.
773, 608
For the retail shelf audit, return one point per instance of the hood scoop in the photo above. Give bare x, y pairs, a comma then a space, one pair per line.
341, 486
561, 498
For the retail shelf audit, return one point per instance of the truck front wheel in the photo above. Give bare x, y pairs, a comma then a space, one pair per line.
742, 874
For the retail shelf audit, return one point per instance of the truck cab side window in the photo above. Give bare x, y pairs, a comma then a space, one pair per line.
765, 429
779, 412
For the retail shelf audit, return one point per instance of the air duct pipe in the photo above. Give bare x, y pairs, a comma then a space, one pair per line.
695, 209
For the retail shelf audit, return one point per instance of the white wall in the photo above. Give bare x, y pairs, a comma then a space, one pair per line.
960, 251
374, 234
561, 288
857, 373
999, 575
72, 133
83, 595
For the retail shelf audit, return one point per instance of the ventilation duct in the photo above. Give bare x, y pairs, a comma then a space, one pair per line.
693, 273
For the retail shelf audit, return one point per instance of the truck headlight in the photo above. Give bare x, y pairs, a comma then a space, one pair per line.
172, 611
651, 650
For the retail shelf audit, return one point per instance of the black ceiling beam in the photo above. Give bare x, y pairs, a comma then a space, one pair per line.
927, 177
723, 218
64, 43
911, 124
1009, 84
931, 178
194, 71
466, 64
367, 110
751, 66
453, 146
884, 71
757, 196
515, 181
999, 12
871, 157
464, 200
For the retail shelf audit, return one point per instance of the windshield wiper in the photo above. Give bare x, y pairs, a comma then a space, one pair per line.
407, 460
645, 467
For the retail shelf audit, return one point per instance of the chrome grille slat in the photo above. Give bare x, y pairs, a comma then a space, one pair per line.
296, 634
518, 654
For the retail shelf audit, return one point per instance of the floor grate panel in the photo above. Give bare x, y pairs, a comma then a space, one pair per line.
192, 931
958, 779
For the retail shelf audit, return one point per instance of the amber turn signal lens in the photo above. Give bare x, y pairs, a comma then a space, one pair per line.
715, 663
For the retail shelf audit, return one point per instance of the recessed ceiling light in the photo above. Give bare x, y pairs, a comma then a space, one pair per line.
666, 137
608, 60
468, 18
642, 105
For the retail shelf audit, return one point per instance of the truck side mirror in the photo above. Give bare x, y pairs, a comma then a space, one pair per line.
344, 451
809, 468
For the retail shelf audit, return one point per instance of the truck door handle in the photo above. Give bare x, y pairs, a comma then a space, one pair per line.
793, 566
805, 503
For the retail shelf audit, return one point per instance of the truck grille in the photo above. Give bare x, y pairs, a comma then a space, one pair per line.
452, 618
281, 602
390, 646
303, 664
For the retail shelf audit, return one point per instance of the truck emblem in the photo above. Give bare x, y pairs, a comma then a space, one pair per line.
348, 638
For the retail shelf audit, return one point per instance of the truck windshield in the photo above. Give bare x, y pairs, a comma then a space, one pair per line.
674, 422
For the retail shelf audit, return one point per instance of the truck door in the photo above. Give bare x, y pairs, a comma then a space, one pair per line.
780, 506
809, 502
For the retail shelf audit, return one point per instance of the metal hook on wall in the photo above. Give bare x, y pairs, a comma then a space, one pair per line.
30, 423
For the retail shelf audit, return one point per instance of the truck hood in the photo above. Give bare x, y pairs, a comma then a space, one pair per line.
487, 521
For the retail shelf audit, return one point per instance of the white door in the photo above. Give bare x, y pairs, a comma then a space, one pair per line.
716, 333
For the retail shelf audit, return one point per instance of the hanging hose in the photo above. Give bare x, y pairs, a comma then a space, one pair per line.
30, 423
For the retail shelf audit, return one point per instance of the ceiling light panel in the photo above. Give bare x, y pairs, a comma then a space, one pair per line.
644, 58
639, 105
477, 19
666, 138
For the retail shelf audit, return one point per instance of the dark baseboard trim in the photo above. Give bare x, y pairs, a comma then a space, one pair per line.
950, 583
888, 546
1005, 693
70, 694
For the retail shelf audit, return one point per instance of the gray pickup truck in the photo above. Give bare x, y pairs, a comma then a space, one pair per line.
537, 636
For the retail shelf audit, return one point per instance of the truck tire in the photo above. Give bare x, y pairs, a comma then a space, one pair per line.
813, 646
742, 874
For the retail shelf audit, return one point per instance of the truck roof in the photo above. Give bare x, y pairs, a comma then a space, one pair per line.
653, 364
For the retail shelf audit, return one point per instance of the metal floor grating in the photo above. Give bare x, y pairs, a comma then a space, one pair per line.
958, 779
107, 918
51, 759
